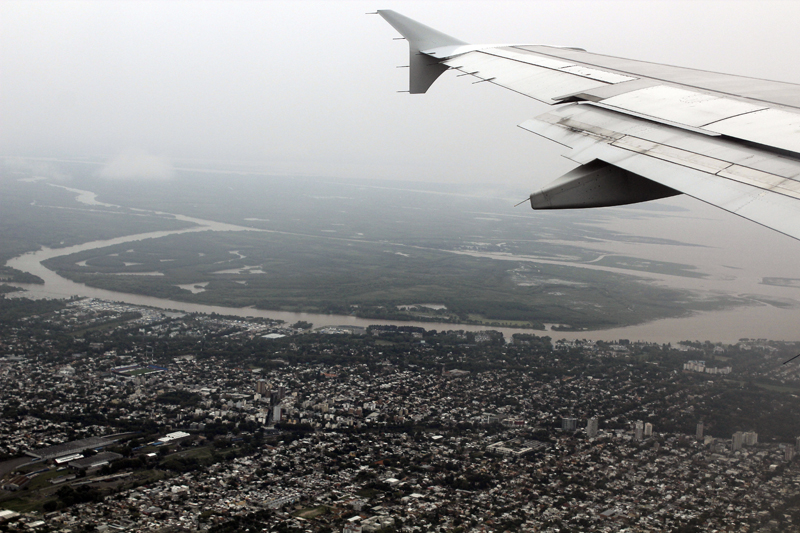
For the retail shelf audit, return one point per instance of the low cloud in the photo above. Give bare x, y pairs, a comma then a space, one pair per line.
137, 165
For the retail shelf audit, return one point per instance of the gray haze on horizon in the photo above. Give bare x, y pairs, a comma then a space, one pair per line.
309, 88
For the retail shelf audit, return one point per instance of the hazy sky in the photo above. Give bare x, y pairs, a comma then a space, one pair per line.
310, 87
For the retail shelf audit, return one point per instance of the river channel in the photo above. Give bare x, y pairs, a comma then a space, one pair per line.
756, 321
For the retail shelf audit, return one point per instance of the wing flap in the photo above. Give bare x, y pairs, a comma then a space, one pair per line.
777, 211
662, 154
608, 124
674, 155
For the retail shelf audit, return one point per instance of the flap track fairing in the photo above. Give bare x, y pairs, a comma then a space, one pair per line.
598, 184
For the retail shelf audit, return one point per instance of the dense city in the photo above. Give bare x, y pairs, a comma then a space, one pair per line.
116, 417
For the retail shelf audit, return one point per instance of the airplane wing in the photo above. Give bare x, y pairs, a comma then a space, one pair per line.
639, 131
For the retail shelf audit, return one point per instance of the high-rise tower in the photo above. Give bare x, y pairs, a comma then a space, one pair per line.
591, 428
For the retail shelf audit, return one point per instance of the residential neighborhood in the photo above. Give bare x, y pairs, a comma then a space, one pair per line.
116, 417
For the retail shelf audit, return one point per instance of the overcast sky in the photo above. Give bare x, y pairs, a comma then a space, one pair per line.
309, 88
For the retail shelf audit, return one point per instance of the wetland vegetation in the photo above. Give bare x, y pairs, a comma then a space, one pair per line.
395, 251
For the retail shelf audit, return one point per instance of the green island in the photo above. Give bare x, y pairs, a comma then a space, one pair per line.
396, 251
276, 271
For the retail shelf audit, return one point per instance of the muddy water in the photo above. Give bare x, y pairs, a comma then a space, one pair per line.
735, 262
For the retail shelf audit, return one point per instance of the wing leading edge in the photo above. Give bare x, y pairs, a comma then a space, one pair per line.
639, 131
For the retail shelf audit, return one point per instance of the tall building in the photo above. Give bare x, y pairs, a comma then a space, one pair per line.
639, 430
788, 453
699, 433
737, 441
797, 444
592, 424
648, 429
276, 414
262, 387
569, 424
750, 438
274, 397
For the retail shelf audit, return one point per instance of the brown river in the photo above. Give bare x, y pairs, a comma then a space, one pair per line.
736, 255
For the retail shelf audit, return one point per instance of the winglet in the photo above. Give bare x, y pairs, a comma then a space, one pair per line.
424, 69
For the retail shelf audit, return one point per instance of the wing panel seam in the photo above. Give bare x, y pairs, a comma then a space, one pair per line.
764, 181
768, 182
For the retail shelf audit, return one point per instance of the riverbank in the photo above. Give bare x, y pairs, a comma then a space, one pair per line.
761, 319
